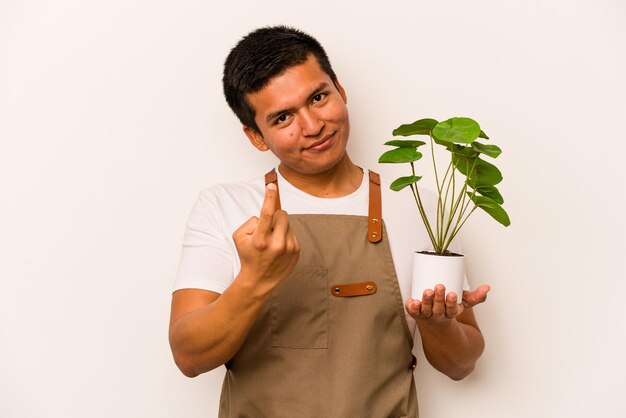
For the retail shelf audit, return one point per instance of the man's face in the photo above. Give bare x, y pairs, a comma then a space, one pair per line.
303, 117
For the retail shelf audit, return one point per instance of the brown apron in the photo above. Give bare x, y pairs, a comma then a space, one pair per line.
333, 341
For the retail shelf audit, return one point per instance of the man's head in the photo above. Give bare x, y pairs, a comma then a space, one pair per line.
261, 56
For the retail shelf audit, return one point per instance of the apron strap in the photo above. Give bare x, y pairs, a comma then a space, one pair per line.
375, 212
271, 177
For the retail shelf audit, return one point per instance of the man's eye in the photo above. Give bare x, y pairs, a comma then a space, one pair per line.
318, 97
281, 119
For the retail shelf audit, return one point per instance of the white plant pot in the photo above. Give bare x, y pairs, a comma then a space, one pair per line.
432, 269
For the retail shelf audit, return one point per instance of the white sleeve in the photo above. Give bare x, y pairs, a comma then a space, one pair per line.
206, 260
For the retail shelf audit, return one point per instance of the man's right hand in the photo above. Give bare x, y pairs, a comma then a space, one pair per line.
267, 247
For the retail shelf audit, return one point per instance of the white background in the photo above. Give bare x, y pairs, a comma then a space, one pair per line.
112, 119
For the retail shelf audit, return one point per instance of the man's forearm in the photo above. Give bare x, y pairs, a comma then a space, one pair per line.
452, 347
207, 337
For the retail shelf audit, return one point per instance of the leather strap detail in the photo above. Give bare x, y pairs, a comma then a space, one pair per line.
375, 212
272, 177
354, 289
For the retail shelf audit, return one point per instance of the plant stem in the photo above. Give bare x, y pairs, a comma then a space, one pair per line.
439, 214
454, 232
447, 185
450, 183
451, 214
432, 152
464, 206
460, 201
454, 207
421, 210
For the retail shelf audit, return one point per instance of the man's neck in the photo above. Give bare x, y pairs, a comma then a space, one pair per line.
341, 180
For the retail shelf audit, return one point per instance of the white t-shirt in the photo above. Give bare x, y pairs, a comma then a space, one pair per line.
209, 257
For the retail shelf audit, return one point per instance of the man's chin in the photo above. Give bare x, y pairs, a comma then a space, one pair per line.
315, 167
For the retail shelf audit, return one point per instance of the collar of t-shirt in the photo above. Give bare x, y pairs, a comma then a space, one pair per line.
295, 201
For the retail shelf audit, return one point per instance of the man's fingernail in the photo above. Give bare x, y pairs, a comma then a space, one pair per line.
271, 186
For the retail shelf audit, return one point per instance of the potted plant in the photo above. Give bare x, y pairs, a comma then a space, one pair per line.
468, 183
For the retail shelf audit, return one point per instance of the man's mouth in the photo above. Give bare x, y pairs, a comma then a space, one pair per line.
322, 143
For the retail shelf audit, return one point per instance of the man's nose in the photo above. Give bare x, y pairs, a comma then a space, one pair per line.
311, 123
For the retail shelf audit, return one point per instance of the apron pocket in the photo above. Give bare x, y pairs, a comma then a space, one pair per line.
299, 310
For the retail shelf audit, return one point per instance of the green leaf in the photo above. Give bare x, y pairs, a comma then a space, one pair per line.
490, 150
405, 143
488, 191
462, 150
400, 155
492, 208
483, 173
445, 144
402, 182
457, 130
419, 127
483, 135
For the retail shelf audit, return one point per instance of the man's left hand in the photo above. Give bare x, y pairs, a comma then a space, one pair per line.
435, 308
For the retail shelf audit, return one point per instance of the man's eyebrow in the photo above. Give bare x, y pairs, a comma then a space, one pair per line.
323, 85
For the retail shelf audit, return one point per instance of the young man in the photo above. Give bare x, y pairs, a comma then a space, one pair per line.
305, 310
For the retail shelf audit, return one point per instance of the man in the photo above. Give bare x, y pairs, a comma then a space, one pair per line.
305, 310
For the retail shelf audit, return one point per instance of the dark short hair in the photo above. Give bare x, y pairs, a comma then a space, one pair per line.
262, 55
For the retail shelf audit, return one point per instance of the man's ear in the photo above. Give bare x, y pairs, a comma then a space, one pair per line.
342, 92
255, 138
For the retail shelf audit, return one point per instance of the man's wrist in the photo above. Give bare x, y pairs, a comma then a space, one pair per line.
445, 325
251, 287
